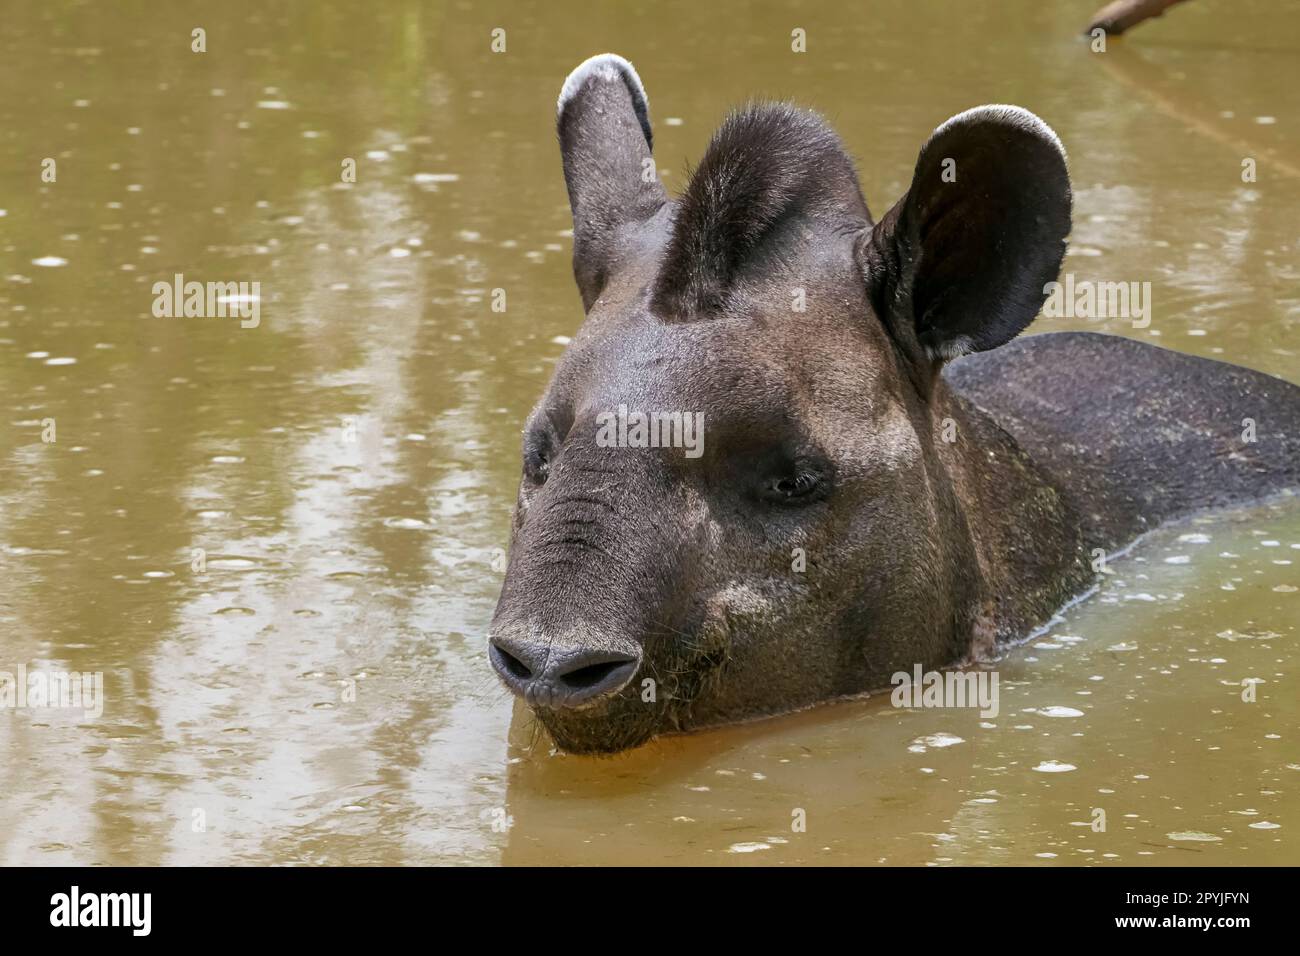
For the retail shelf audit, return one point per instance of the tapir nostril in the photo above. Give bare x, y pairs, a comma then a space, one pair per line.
549, 676
511, 664
598, 676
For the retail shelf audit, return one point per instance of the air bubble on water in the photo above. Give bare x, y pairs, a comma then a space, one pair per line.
272, 105
226, 460
561, 340
1194, 836
38, 355
426, 178
938, 741
1057, 711
1196, 538
1054, 766
747, 847
64, 360
1178, 559
50, 262
231, 564
1265, 825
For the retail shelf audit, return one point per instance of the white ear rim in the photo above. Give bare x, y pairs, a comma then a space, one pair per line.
1016, 116
606, 67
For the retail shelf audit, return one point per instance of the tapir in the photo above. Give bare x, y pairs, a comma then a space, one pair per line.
885, 476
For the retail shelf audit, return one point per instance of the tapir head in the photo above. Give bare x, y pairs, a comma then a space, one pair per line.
735, 499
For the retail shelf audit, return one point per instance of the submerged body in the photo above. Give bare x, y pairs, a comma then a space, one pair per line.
859, 503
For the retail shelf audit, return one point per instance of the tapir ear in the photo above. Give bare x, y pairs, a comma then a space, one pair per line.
960, 263
603, 120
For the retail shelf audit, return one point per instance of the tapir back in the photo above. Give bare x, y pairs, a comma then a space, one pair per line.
1135, 434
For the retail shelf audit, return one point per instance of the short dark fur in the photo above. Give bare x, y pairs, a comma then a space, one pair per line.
767, 168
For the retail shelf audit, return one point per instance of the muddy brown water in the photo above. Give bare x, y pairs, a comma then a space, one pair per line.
319, 693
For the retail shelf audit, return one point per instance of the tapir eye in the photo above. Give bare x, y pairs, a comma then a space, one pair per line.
803, 483
537, 457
